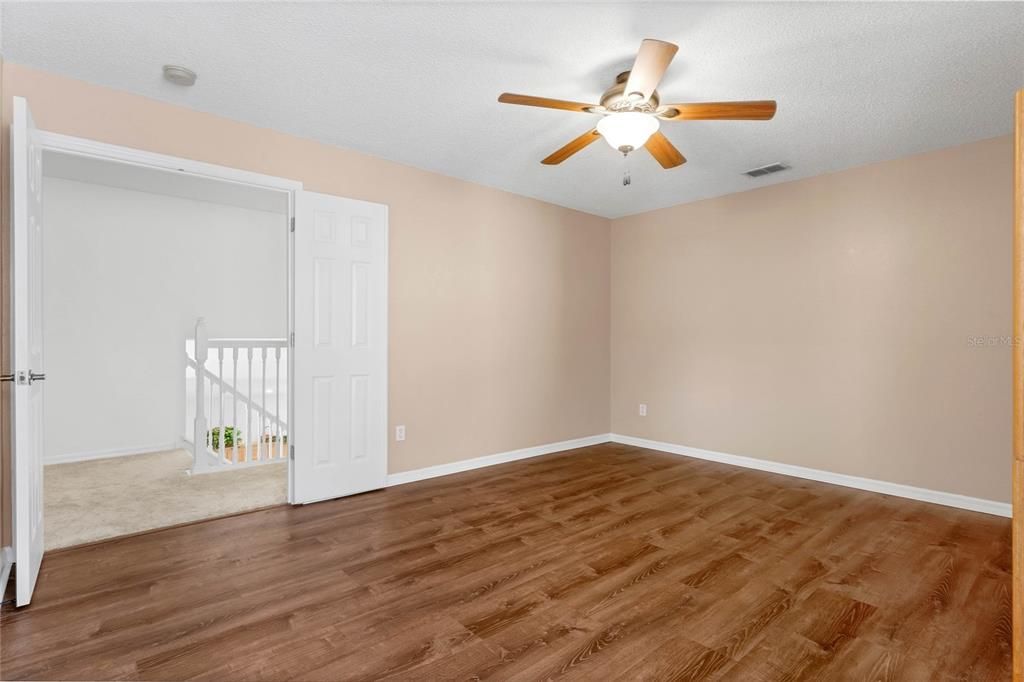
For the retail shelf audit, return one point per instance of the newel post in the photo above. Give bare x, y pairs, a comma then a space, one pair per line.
199, 457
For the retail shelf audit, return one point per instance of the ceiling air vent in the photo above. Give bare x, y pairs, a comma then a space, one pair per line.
766, 170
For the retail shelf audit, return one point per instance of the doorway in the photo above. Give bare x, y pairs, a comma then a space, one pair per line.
335, 439
140, 264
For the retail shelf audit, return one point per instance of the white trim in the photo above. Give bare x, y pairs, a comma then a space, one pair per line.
66, 457
84, 147
290, 321
6, 561
490, 460
897, 489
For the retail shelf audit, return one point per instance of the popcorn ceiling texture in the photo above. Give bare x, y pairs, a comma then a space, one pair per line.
418, 83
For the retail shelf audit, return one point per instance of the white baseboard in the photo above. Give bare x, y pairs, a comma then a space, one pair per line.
66, 457
6, 561
491, 460
870, 484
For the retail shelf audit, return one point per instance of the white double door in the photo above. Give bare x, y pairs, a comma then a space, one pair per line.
339, 428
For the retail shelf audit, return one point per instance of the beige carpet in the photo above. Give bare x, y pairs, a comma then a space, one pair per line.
104, 498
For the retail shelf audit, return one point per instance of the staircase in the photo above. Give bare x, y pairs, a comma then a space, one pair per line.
236, 399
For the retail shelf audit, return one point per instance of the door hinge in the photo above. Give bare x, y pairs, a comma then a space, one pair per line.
293, 223
291, 339
291, 452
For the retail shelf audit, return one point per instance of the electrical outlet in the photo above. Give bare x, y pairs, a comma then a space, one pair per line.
643, 409
400, 432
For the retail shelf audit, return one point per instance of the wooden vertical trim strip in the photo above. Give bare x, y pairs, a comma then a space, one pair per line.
1018, 392
1018, 570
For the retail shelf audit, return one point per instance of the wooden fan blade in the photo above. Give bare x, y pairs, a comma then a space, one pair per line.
527, 100
651, 63
664, 151
761, 110
573, 147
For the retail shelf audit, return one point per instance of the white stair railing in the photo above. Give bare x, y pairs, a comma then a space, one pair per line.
264, 437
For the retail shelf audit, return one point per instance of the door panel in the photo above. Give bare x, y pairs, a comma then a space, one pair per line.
340, 422
27, 341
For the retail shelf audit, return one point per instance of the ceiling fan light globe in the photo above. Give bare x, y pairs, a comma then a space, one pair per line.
627, 129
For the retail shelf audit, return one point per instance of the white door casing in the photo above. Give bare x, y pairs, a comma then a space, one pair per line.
340, 423
27, 338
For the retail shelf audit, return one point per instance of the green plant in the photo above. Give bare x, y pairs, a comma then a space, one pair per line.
230, 433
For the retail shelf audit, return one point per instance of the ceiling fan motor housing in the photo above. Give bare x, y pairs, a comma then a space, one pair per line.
616, 98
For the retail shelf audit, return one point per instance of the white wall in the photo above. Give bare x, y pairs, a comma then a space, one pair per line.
126, 274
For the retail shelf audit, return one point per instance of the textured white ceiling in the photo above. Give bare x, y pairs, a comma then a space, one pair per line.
417, 83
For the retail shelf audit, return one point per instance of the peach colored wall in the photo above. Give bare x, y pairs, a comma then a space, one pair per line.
498, 303
850, 322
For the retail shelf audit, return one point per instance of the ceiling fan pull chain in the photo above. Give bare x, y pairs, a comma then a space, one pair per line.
626, 180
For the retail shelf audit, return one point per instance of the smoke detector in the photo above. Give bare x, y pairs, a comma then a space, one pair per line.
179, 75
766, 170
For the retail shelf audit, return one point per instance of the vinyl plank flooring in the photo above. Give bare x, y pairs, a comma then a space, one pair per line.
608, 562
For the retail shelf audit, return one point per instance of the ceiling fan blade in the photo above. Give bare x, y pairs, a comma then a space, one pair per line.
761, 110
529, 101
664, 151
651, 63
571, 148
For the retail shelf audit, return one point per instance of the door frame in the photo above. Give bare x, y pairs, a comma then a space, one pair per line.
79, 146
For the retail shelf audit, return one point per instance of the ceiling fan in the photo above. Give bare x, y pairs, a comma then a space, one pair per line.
632, 111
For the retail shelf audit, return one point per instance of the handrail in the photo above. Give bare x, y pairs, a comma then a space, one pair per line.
247, 343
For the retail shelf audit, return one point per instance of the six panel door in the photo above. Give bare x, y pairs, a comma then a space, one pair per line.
340, 405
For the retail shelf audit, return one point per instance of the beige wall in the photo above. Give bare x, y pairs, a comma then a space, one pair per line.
498, 303
828, 322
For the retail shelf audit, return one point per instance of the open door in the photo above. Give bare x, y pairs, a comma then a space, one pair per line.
340, 423
27, 342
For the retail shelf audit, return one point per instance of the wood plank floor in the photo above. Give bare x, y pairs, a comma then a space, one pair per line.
602, 563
